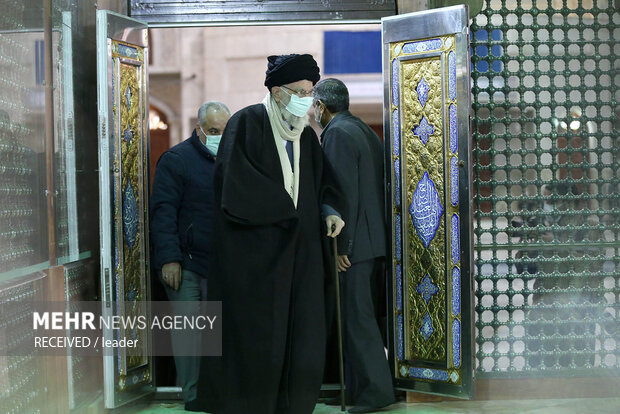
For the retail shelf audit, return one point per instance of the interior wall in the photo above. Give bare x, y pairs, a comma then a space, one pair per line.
228, 64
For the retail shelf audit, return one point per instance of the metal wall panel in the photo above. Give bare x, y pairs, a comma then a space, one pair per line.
22, 388
547, 188
181, 12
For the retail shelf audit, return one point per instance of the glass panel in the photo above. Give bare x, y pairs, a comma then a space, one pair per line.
24, 163
20, 382
75, 114
23, 208
547, 179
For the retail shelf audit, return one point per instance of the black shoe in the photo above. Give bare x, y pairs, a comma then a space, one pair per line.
194, 406
363, 409
367, 409
335, 401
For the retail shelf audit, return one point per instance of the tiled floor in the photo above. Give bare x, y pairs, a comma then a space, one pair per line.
567, 406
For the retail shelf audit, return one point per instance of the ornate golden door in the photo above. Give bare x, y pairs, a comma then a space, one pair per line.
122, 57
428, 158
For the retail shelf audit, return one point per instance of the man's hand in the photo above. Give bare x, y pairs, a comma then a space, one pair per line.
171, 274
332, 221
343, 262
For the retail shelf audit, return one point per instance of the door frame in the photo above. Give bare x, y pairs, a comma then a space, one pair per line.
466, 235
431, 376
120, 385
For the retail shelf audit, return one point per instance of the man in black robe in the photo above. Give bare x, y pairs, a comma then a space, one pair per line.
271, 183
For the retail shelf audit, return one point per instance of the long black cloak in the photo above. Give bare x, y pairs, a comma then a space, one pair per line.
269, 269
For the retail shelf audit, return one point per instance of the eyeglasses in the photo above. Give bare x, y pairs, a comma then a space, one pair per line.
299, 92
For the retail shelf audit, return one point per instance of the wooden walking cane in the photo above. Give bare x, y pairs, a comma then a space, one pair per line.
343, 406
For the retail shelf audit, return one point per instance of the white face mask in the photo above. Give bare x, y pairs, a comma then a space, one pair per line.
298, 106
213, 142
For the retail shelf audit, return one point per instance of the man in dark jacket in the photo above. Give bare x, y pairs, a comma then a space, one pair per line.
181, 225
356, 154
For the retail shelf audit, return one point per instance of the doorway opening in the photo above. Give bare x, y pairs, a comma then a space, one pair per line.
189, 66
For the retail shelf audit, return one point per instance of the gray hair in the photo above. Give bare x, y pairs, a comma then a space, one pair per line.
210, 105
333, 93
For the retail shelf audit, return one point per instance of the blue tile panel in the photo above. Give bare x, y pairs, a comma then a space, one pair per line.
456, 343
456, 291
138, 378
454, 236
128, 97
132, 293
427, 288
399, 288
452, 76
454, 181
130, 52
127, 134
422, 91
426, 210
427, 326
453, 129
424, 130
130, 216
397, 230
397, 194
454, 376
428, 373
422, 46
396, 132
401, 337
395, 83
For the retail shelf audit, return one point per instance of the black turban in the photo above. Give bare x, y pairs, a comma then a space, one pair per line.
285, 69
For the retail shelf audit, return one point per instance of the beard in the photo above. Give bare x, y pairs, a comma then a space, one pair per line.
293, 120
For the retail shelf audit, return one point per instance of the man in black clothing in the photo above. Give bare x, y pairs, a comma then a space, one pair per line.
356, 154
269, 268
182, 209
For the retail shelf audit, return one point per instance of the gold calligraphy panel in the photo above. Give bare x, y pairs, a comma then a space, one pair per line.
129, 86
424, 158
425, 185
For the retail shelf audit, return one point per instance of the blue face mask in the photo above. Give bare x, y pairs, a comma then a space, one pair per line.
298, 106
212, 143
